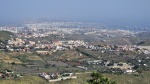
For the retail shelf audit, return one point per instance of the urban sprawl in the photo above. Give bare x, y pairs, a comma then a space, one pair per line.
59, 54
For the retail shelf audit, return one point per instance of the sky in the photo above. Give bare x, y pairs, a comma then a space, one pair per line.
129, 11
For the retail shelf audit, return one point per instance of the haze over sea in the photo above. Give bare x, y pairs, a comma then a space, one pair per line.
127, 14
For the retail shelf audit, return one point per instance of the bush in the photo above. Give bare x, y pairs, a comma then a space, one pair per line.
98, 78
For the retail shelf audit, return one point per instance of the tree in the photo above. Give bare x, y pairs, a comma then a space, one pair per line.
136, 67
13, 63
98, 78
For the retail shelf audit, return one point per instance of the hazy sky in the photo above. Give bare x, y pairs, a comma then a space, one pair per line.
76, 10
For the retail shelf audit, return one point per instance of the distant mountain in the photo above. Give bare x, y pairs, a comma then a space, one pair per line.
145, 35
122, 41
39, 20
144, 43
21, 22
144, 38
15, 24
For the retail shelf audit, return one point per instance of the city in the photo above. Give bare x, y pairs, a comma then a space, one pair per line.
74, 42
42, 48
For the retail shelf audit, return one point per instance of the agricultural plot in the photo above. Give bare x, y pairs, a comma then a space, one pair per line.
34, 57
7, 59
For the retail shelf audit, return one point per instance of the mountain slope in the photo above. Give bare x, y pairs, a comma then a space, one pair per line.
144, 43
5, 35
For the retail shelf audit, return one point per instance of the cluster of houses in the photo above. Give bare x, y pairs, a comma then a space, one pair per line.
118, 48
19, 44
124, 67
53, 77
25, 45
120, 67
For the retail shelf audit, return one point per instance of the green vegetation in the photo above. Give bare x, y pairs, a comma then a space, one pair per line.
144, 43
23, 58
4, 65
98, 78
4, 57
86, 53
5, 35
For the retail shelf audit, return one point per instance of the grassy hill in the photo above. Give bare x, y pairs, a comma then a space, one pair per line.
5, 35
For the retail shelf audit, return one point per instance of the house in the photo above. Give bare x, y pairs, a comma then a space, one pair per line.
54, 77
45, 75
57, 43
121, 66
128, 71
94, 62
43, 52
82, 67
32, 43
68, 76
1, 74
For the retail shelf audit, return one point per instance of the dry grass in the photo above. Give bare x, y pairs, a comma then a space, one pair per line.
7, 59
10, 60
25, 80
34, 58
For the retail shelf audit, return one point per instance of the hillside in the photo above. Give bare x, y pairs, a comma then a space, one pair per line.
117, 41
122, 41
5, 35
82, 78
144, 35
144, 43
